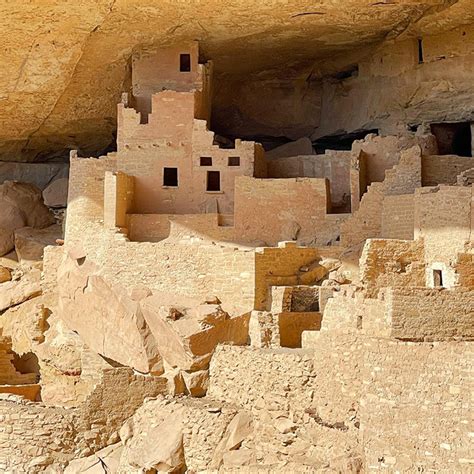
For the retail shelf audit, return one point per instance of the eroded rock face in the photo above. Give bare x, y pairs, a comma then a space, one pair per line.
28, 199
11, 218
17, 291
106, 318
61, 79
30, 242
140, 329
187, 337
21, 205
55, 195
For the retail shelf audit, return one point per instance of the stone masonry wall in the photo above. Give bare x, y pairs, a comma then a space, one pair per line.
317, 395
34, 436
333, 165
398, 217
281, 266
273, 210
443, 169
421, 314
416, 409
86, 193
392, 263
443, 218
403, 178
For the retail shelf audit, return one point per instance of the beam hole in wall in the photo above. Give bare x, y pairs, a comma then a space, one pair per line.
205, 161
437, 278
453, 138
185, 62
170, 177
340, 141
213, 181
234, 161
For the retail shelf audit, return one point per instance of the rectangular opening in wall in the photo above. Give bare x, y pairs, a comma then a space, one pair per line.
234, 161
205, 161
420, 51
185, 62
453, 138
213, 181
170, 177
437, 278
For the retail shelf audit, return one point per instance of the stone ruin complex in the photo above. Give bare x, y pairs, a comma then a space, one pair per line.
196, 302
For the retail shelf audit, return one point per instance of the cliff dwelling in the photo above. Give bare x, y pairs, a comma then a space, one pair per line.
237, 236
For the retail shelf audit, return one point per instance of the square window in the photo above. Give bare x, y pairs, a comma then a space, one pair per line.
234, 161
205, 161
185, 62
213, 181
170, 177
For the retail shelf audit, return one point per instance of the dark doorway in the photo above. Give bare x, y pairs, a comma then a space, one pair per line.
453, 138
437, 278
185, 62
170, 177
213, 181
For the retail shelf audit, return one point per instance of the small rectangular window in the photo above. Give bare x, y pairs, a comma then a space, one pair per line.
437, 278
170, 177
234, 161
213, 181
185, 62
205, 161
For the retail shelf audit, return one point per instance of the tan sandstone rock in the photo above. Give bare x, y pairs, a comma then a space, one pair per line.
28, 199
30, 242
303, 146
55, 195
186, 337
196, 383
17, 291
105, 317
158, 447
5, 274
11, 218
106, 460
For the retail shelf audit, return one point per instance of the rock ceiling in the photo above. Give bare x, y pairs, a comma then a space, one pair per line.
64, 64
